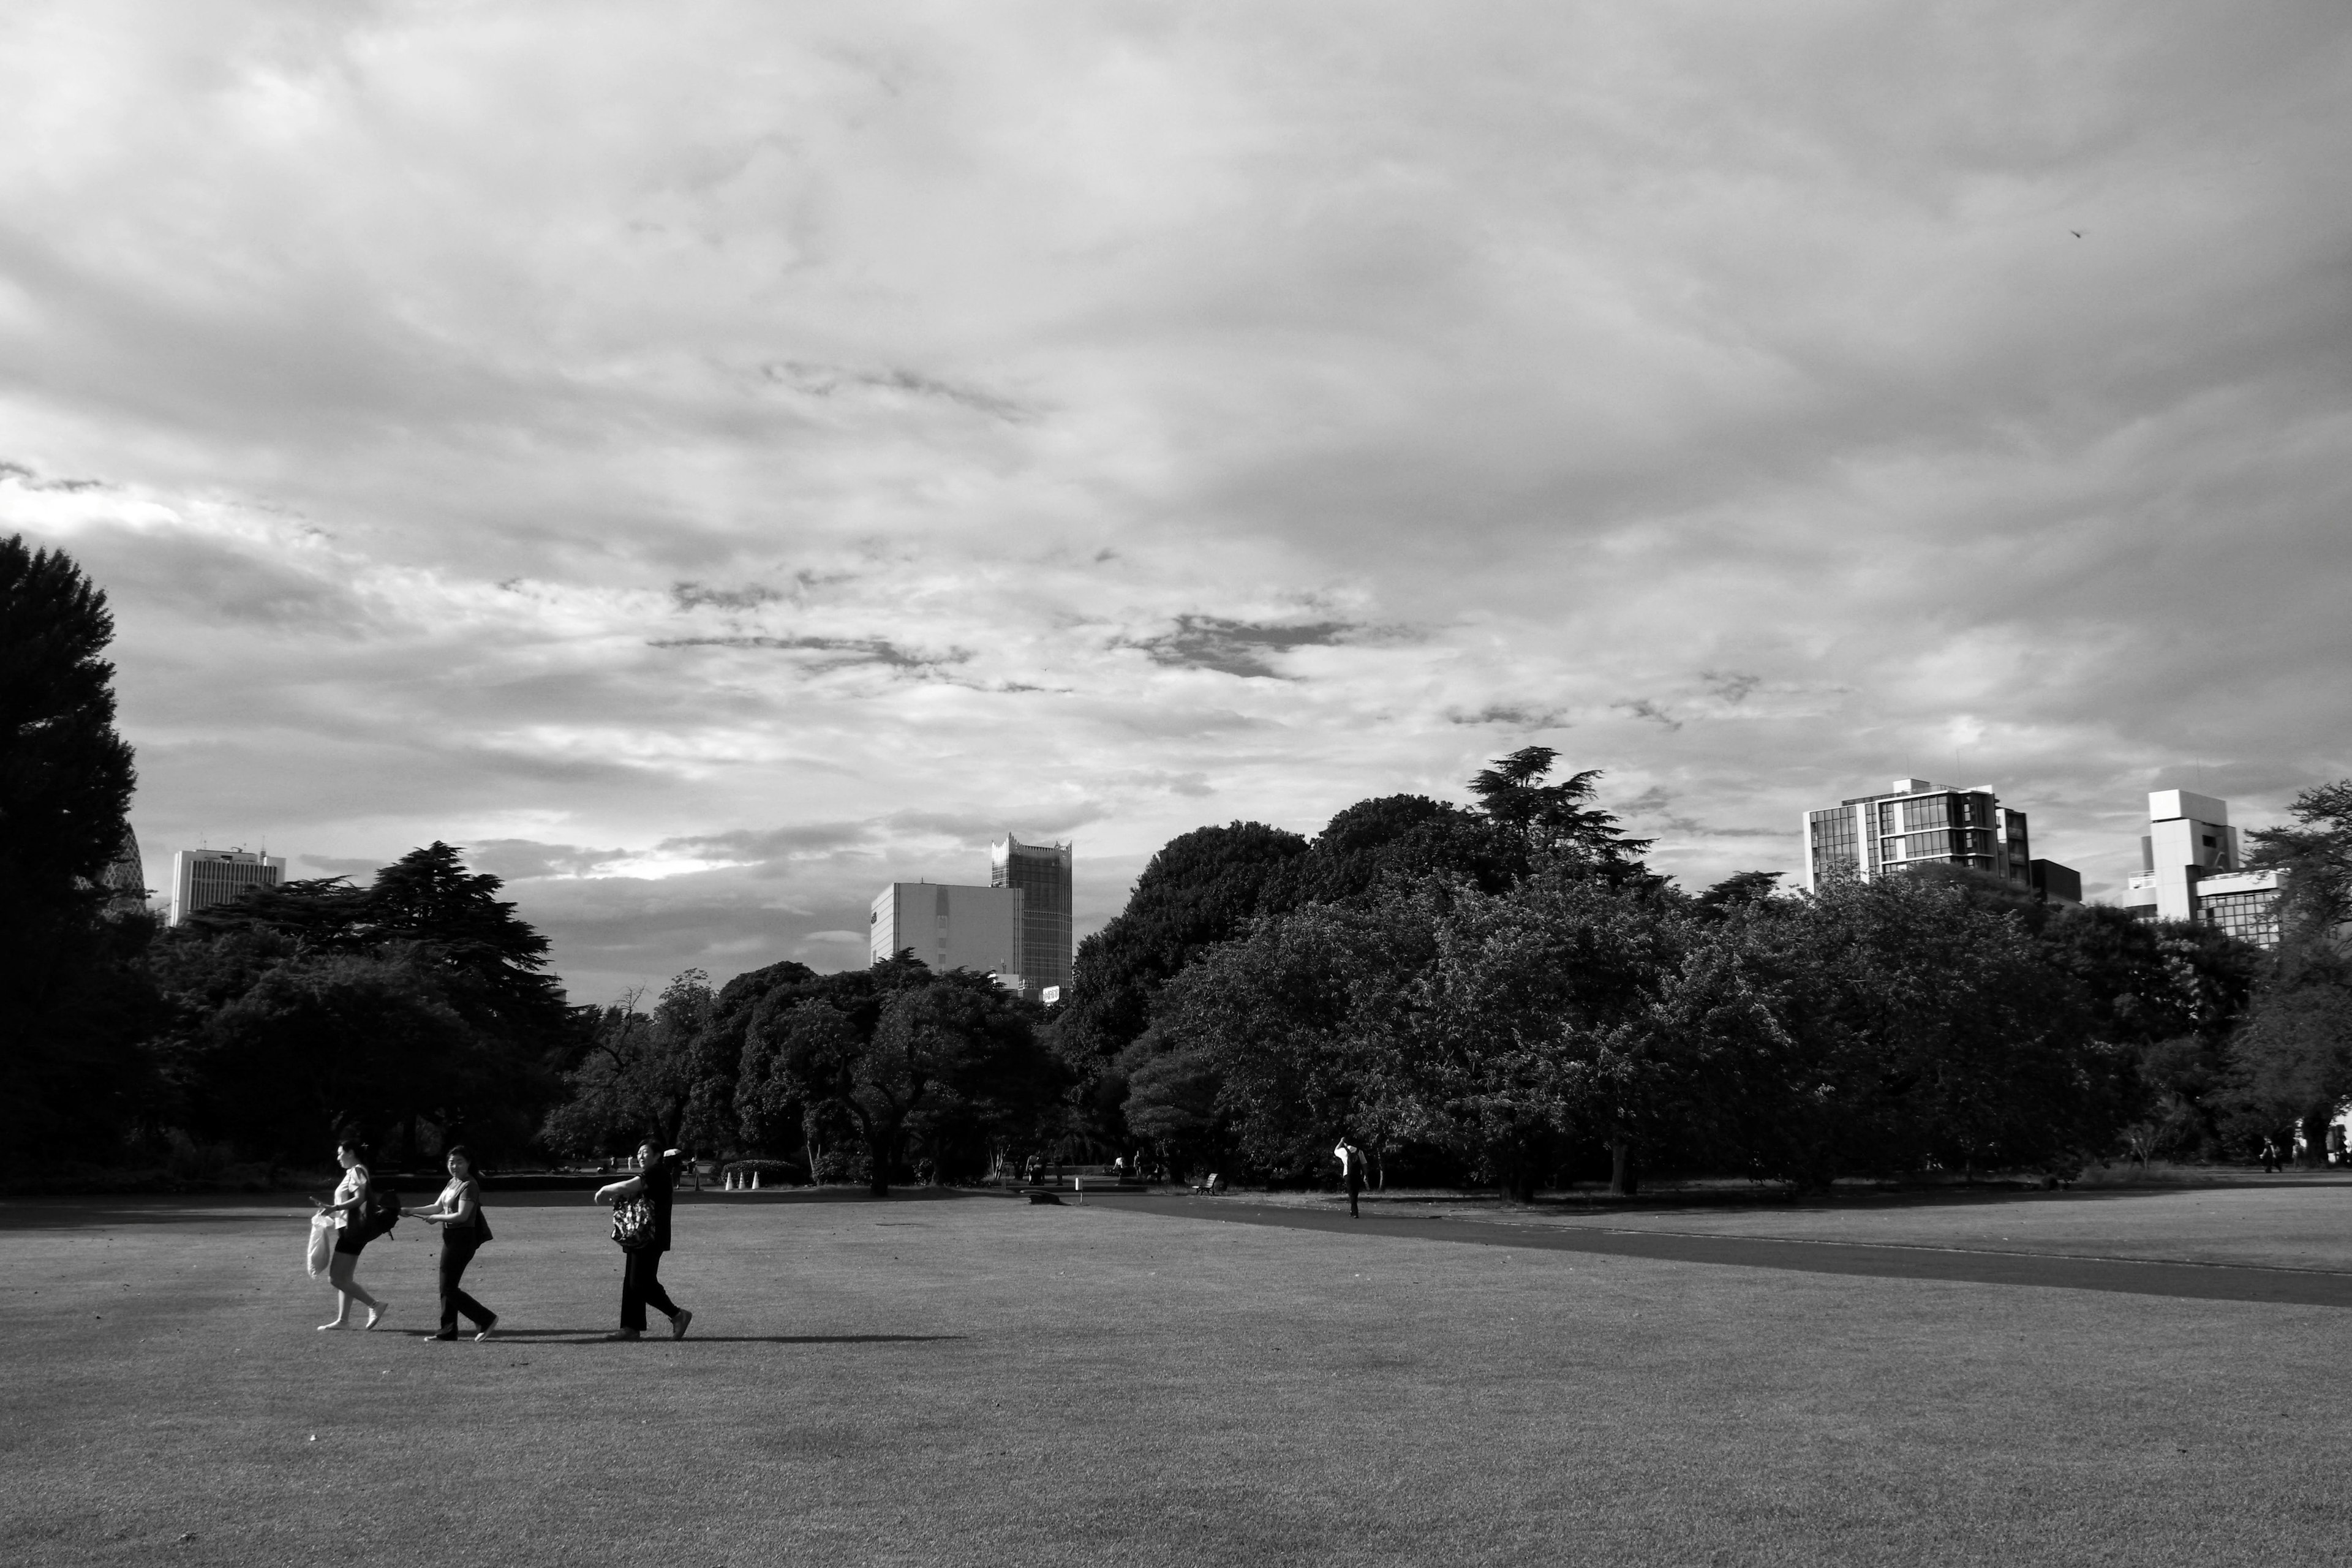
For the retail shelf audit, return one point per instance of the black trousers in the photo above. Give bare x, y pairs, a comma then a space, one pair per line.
1355, 1185
641, 1287
457, 1251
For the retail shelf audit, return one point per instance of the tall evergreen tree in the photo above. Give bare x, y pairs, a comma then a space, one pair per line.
70, 1011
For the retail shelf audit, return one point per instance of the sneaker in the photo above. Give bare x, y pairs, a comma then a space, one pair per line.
678, 1324
446, 1335
621, 1334
484, 1333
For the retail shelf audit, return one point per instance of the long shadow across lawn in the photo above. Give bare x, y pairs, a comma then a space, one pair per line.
2195, 1281
596, 1336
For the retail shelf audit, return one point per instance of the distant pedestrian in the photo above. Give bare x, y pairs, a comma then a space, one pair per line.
463, 1227
641, 1283
349, 1208
2270, 1155
1351, 1170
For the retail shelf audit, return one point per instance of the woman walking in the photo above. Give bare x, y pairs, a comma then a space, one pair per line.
463, 1227
350, 1209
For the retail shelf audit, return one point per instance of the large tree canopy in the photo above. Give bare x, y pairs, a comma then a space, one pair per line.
72, 1008
466, 1030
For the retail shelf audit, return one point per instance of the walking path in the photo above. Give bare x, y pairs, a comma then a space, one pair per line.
2195, 1281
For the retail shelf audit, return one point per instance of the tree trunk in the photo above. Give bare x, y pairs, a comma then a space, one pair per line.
880, 1146
2314, 1136
1624, 1179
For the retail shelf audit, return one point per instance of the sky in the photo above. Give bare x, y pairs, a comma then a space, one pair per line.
710, 460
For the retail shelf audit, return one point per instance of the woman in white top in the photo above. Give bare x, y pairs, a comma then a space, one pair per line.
349, 1208
458, 1212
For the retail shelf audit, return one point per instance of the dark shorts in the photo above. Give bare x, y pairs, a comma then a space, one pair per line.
348, 1239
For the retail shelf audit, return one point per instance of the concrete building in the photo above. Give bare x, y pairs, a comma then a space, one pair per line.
203, 878
2191, 868
950, 927
1914, 822
1042, 873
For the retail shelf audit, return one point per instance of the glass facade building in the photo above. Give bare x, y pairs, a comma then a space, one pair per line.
1916, 823
1041, 872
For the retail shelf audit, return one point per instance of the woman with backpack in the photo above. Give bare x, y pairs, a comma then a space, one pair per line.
350, 1207
463, 1227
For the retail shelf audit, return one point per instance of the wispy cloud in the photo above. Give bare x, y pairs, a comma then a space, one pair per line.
789, 445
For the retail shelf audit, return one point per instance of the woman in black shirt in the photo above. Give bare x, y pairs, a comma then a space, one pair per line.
458, 1212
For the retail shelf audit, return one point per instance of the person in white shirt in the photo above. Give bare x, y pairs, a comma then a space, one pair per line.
1351, 1170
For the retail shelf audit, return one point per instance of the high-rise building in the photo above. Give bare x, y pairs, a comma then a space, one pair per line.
1916, 823
1042, 873
2191, 868
202, 877
950, 927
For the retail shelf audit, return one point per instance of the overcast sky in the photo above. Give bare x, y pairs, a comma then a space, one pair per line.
710, 459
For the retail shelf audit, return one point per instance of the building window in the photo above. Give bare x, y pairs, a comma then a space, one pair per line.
2249, 916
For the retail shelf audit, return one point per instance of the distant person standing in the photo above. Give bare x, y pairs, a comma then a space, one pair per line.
1351, 1170
463, 1227
350, 1207
641, 1271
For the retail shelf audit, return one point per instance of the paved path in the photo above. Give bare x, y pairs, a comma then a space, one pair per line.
2196, 1281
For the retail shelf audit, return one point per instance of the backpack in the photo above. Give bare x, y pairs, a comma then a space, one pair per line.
382, 1213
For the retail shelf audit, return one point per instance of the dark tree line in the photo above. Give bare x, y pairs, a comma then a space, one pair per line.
1503, 993
1497, 991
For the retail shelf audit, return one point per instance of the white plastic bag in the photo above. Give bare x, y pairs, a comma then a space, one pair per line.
322, 1242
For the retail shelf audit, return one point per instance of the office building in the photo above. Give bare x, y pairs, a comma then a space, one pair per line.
1916, 823
203, 878
950, 927
1042, 873
2191, 868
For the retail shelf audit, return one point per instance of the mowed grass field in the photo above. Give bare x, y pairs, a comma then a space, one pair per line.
970, 1380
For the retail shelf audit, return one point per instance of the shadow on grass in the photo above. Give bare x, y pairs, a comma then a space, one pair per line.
653, 1336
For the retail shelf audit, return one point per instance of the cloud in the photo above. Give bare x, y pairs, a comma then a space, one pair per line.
1236, 647
790, 447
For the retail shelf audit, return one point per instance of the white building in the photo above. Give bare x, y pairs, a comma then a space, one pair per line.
2191, 868
950, 927
1916, 823
203, 878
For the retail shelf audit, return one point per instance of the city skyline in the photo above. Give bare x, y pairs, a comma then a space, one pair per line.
711, 465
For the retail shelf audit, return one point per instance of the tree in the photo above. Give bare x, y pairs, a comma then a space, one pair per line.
1558, 829
71, 1007
2316, 853
1282, 1040
638, 1076
430, 919
1202, 889
2292, 1067
320, 1043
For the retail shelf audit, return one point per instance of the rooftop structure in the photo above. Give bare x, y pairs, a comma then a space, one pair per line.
2192, 868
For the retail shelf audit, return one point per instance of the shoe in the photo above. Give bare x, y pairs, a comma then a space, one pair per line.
336, 1324
621, 1334
484, 1333
678, 1324
377, 1316
446, 1335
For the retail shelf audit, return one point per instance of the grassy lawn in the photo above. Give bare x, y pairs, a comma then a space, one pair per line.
975, 1381
2294, 1222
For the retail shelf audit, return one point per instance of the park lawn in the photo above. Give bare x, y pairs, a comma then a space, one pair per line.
2297, 1222
977, 1381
